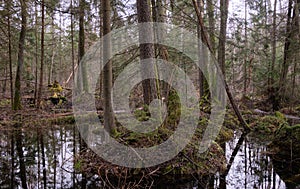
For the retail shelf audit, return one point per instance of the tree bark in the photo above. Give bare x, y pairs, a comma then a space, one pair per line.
51, 66
200, 49
146, 50
286, 56
72, 40
222, 37
36, 55
42, 56
81, 49
17, 97
246, 53
297, 51
109, 122
211, 24
158, 15
271, 83
204, 36
8, 3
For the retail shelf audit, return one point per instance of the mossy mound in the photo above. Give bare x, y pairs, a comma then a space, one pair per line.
286, 157
187, 163
268, 125
231, 121
225, 135
287, 137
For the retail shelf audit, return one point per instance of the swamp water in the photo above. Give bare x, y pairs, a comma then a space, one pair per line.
45, 158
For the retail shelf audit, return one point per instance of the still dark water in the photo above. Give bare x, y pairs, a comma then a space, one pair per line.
45, 159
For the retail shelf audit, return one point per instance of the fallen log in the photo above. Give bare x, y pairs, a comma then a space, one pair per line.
272, 113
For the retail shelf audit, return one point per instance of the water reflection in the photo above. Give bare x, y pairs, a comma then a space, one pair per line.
38, 158
46, 158
249, 166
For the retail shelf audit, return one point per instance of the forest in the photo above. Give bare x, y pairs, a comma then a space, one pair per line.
150, 94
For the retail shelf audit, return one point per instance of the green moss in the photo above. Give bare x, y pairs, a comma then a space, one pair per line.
225, 134
205, 104
142, 114
269, 124
115, 133
78, 165
279, 115
287, 131
63, 120
231, 121
4, 102
168, 169
287, 138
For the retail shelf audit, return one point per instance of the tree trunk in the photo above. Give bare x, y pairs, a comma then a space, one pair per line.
297, 51
201, 51
158, 15
17, 97
51, 66
81, 49
36, 55
146, 50
82, 70
246, 53
286, 56
271, 83
204, 35
222, 37
231, 99
8, 3
211, 24
5, 80
109, 123
42, 56
221, 59
72, 40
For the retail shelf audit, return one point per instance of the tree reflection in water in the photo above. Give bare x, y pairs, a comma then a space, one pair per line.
248, 166
38, 158
45, 156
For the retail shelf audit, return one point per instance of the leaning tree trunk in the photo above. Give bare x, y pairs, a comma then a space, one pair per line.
231, 99
17, 96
